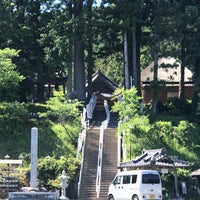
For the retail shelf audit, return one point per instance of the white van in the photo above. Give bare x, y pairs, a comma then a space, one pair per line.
136, 185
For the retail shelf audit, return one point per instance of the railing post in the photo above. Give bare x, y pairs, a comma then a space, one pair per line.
81, 169
119, 144
100, 155
107, 112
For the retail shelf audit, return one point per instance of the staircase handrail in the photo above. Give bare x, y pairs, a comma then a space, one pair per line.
81, 147
106, 107
119, 144
100, 156
81, 169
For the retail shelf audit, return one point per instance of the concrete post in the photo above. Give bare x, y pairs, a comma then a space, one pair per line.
34, 156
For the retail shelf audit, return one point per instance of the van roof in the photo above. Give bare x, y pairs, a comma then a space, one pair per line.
128, 172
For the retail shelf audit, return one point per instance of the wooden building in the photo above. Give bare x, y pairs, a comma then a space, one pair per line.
157, 159
169, 74
103, 88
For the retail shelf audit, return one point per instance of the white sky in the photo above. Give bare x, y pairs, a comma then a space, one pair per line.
98, 2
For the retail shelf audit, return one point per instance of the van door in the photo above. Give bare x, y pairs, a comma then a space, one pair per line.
126, 187
116, 188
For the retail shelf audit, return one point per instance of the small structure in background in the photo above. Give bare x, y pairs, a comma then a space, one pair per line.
157, 159
99, 92
195, 175
9, 175
63, 183
103, 88
169, 74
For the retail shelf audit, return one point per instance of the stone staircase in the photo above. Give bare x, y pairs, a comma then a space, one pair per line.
88, 180
109, 163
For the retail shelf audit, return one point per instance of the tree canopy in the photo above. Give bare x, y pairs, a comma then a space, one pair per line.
76, 38
10, 78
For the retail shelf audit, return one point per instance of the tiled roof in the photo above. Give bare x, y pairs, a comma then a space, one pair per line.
154, 158
168, 70
102, 83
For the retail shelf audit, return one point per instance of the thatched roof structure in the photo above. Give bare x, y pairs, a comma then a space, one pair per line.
168, 71
195, 173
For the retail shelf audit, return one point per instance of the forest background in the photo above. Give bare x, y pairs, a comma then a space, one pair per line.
44, 40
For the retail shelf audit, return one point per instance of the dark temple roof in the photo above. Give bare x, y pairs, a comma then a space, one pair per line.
154, 158
102, 84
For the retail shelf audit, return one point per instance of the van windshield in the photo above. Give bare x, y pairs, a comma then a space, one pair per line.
150, 179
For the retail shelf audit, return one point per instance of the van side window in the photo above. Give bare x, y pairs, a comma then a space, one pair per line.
126, 179
117, 180
134, 178
150, 178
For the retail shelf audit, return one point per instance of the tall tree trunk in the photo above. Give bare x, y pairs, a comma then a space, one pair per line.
138, 35
39, 54
69, 75
182, 72
70, 62
40, 82
79, 70
196, 96
20, 6
126, 65
90, 60
136, 59
155, 83
134, 55
79, 67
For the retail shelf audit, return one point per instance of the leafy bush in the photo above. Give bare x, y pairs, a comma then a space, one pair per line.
10, 78
172, 132
175, 107
51, 168
58, 123
61, 111
14, 128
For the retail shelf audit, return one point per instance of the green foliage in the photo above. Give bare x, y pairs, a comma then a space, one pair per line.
174, 133
61, 111
50, 168
196, 105
180, 140
45, 36
13, 111
114, 71
14, 172
14, 128
58, 124
132, 124
136, 135
9, 77
128, 105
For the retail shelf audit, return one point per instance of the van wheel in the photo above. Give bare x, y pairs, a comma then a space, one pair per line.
135, 197
110, 197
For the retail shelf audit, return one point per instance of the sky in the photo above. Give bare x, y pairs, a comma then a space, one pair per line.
98, 2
